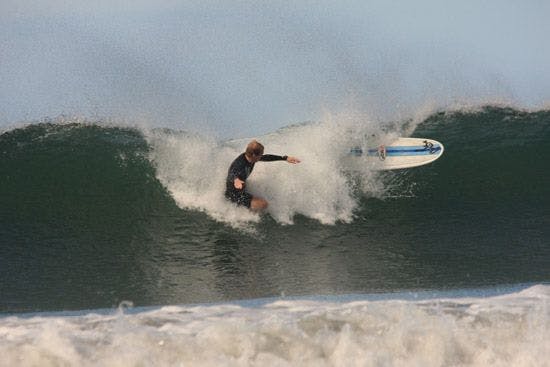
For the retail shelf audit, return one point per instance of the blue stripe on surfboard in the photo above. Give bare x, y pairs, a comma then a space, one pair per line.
409, 151
405, 153
406, 147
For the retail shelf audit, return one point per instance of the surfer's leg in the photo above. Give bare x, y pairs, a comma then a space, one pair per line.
243, 198
258, 203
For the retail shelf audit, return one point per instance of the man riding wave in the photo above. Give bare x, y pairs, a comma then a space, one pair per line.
242, 167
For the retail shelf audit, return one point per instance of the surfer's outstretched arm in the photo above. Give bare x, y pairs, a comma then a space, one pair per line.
273, 157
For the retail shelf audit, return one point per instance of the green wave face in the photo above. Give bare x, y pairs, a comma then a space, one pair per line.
79, 172
493, 157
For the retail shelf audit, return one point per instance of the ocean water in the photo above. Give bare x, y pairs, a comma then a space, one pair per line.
117, 246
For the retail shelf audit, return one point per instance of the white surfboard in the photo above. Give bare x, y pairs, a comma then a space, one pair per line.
400, 153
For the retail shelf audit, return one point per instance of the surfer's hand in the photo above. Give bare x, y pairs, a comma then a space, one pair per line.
292, 160
238, 183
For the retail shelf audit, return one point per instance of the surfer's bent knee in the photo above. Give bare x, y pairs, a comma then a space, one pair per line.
259, 203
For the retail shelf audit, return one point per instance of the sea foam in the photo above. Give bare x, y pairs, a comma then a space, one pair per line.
193, 168
504, 330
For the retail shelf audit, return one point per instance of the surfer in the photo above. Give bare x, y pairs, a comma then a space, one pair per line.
241, 168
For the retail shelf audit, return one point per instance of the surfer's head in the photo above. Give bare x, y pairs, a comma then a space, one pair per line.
254, 151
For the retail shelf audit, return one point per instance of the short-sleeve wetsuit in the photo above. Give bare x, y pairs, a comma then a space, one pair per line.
241, 168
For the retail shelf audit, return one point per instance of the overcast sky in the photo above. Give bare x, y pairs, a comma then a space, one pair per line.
242, 67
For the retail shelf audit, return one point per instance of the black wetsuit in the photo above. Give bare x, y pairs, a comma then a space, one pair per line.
241, 168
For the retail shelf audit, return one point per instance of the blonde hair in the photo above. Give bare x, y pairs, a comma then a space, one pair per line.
254, 148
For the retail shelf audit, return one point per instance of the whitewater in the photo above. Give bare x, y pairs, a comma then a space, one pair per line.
508, 329
193, 168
